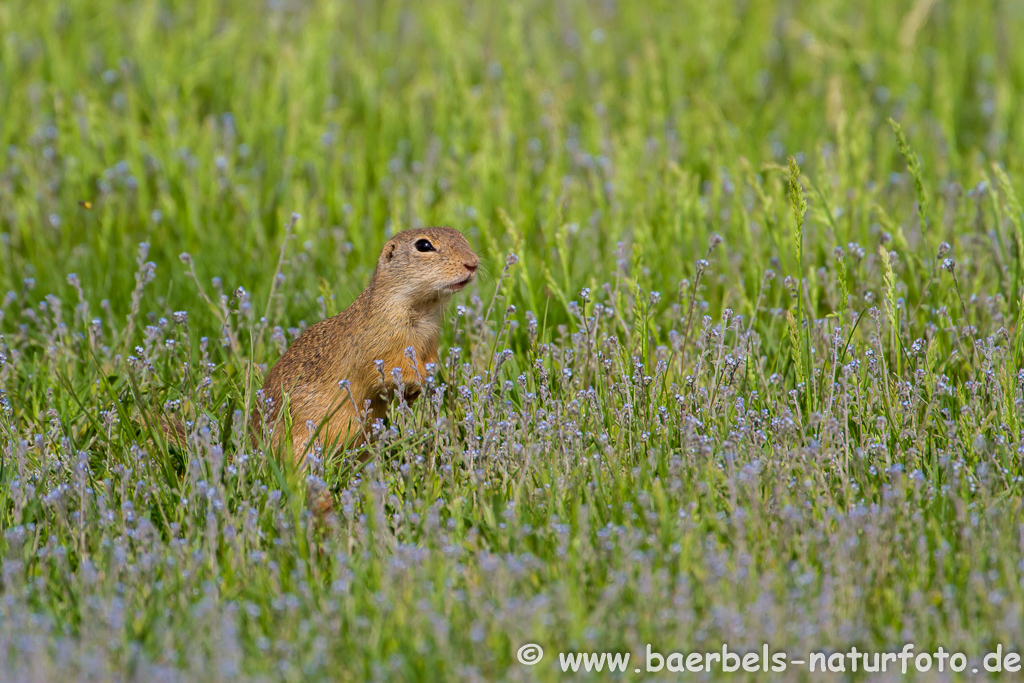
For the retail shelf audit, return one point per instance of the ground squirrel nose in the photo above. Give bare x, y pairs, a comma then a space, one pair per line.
471, 266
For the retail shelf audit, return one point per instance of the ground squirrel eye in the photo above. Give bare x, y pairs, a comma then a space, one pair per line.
424, 245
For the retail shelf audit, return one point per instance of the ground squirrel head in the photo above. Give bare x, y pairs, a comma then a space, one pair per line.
426, 266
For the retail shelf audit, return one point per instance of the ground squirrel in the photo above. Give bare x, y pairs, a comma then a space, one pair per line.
401, 308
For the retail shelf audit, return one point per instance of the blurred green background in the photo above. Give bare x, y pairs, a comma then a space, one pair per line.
554, 129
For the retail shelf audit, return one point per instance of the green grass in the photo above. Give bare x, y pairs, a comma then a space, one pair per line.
753, 379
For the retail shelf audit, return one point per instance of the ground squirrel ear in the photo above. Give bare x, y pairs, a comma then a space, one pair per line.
389, 252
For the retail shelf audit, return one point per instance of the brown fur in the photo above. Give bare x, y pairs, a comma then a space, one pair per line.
402, 307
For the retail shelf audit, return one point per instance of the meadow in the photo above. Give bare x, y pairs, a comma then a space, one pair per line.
742, 366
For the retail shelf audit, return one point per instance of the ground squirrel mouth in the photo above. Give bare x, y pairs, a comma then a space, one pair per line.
456, 286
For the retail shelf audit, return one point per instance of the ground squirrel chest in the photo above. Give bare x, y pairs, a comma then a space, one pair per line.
337, 376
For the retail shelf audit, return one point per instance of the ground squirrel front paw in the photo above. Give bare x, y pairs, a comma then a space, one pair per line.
412, 392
